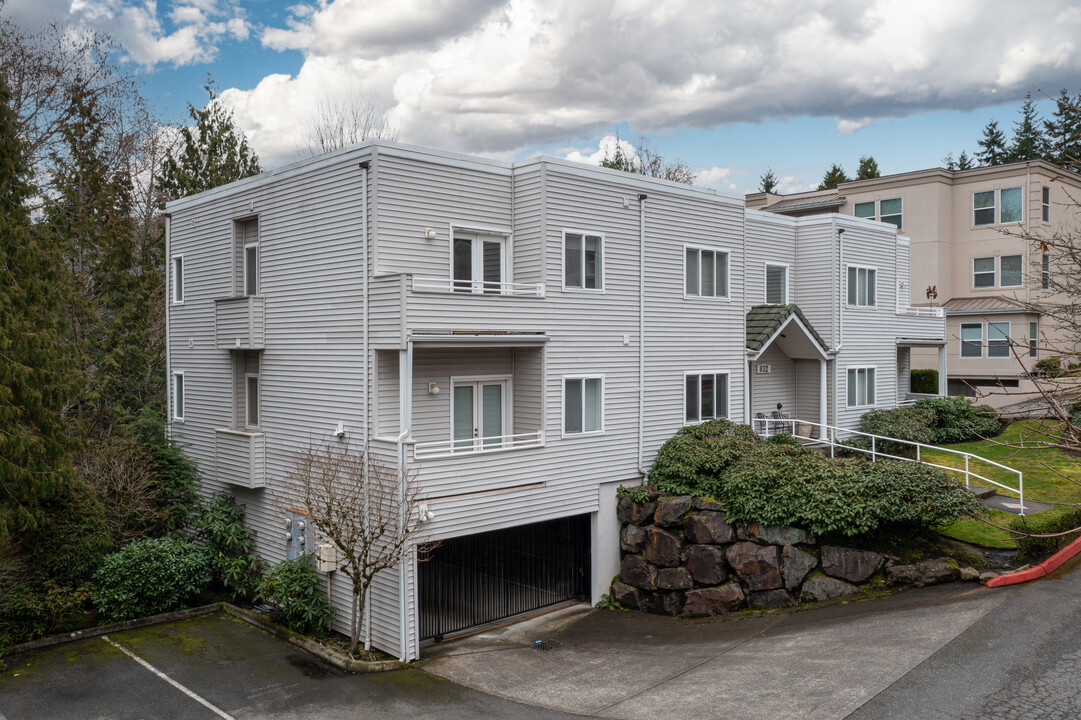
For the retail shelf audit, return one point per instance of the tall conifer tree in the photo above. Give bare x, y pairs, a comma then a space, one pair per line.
992, 145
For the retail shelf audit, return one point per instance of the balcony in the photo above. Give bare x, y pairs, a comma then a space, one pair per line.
240, 457
474, 446
922, 311
240, 323
476, 287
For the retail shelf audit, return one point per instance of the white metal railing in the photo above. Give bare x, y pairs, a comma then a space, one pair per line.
477, 287
933, 312
476, 446
829, 435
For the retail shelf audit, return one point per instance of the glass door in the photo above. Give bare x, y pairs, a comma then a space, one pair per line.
479, 415
477, 263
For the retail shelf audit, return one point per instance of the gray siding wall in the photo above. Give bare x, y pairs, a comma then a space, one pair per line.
779, 386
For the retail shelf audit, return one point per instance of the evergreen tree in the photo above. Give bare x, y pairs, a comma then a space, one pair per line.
948, 162
833, 177
647, 161
868, 168
768, 181
1028, 139
616, 159
1063, 132
992, 145
964, 161
212, 153
36, 381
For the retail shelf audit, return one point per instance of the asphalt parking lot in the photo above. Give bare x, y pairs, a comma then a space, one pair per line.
216, 666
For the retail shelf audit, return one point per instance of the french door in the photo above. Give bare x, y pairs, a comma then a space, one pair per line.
479, 414
478, 263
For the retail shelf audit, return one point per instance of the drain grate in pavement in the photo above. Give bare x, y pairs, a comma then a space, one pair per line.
546, 645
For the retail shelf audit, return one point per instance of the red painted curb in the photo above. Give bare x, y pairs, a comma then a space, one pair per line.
1047, 567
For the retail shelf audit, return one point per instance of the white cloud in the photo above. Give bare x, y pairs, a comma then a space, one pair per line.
718, 177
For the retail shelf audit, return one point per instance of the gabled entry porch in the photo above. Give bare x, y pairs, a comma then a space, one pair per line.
787, 370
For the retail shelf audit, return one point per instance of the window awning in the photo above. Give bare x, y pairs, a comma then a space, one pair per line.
788, 328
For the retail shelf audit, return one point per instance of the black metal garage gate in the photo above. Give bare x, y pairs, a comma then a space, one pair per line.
482, 578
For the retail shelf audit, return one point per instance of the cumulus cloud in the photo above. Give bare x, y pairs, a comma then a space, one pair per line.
492, 76
191, 31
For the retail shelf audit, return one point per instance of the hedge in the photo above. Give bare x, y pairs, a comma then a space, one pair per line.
924, 382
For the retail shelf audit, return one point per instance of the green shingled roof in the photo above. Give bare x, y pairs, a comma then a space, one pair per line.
763, 321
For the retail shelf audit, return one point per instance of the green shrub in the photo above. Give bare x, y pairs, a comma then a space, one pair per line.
230, 546
907, 422
175, 479
924, 382
695, 458
29, 610
294, 587
958, 419
1051, 367
149, 576
1056, 520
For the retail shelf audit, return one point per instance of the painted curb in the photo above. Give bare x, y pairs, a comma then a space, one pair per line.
1044, 569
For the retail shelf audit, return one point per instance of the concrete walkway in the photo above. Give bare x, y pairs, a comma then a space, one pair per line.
820, 663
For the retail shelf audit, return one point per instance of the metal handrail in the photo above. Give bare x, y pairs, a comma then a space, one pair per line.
474, 446
828, 434
478, 287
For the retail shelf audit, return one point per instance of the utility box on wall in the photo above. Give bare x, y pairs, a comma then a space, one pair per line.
326, 557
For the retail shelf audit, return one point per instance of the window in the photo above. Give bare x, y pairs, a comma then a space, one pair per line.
583, 405
1010, 270
889, 211
477, 263
178, 279
1033, 339
251, 400
1010, 200
861, 286
865, 210
705, 273
971, 340
861, 387
776, 284
998, 340
706, 396
583, 261
178, 396
983, 272
983, 207
251, 269
1046, 203
1045, 271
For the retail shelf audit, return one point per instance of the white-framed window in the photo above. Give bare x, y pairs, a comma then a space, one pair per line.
983, 272
480, 413
705, 396
178, 395
583, 261
971, 340
998, 339
1045, 271
705, 273
776, 284
251, 400
178, 279
1045, 203
251, 269
583, 404
1010, 206
1010, 270
983, 207
478, 262
861, 387
1033, 339
865, 210
862, 286
889, 211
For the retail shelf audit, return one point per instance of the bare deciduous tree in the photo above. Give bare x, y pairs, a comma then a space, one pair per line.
369, 511
121, 476
644, 160
344, 120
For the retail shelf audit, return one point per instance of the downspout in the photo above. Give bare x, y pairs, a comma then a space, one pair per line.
406, 412
642, 335
168, 348
840, 324
364, 396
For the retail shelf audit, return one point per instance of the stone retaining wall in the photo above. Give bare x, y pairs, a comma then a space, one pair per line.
680, 556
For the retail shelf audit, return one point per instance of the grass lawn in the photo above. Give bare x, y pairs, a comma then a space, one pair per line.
1042, 483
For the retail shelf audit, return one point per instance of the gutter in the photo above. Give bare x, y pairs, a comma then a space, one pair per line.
642, 335
406, 414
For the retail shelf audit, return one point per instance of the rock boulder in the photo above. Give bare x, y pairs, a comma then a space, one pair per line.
634, 570
706, 564
714, 601
662, 547
670, 510
795, 565
759, 566
708, 527
818, 588
849, 564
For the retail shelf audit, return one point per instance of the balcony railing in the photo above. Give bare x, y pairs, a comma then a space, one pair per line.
240, 323
477, 446
240, 457
931, 312
476, 287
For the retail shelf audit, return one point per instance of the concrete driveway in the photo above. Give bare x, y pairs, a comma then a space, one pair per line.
818, 663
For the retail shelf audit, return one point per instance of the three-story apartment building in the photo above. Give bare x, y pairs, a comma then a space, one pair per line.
521, 337
968, 230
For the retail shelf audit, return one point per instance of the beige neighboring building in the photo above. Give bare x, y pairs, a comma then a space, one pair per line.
964, 228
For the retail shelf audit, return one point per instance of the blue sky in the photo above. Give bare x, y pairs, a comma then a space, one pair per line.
729, 87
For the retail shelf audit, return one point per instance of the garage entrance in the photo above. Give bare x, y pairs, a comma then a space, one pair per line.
482, 578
